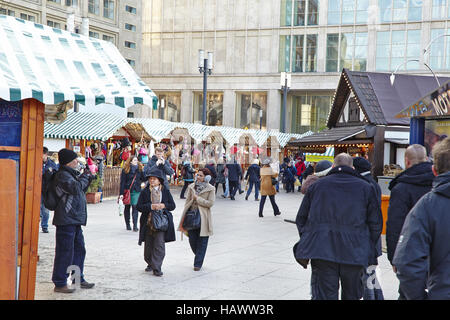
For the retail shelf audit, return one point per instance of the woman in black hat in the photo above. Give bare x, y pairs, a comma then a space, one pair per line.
155, 197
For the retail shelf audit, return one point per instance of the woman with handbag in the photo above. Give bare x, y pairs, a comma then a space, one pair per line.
200, 198
156, 203
268, 182
131, 179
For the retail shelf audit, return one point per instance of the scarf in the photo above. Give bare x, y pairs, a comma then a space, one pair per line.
200, 186
155, 195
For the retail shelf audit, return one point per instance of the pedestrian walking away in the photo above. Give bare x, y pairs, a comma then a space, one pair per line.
320, 170
268, 188
339, 223
372, 291
47, 165
131, 178
422, 256
201, 196
188, 177
70, 215
162, 164
234, 176
220, 175
253, 176
155, 200
406, 189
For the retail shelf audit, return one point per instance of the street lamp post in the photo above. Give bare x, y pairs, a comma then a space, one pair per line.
285, 82
205, 66
392, 77
260, 119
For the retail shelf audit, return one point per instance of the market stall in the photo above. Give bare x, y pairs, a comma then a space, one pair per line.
40, 68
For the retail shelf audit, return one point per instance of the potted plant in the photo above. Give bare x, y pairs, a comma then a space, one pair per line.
92, 194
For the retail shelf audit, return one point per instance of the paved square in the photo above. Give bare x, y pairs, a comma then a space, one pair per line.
247, 258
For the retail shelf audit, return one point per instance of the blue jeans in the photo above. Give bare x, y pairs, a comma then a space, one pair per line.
69, 250
45, 213
198, 246
227, 188
250, 188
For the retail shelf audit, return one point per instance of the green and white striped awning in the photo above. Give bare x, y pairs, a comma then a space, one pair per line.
53, 65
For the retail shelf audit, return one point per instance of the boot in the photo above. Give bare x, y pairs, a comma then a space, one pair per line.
128, 227
64, 289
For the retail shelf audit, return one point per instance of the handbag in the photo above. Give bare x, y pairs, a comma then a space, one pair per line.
160, 220
126, 193
192, 220
274, 181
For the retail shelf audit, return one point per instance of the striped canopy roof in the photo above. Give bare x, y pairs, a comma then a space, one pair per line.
53, 65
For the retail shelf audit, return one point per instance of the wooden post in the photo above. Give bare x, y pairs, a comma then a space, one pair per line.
8, 250
378, 145
30, 194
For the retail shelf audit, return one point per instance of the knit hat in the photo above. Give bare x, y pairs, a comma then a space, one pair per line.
361, 164
65, 156
322, 168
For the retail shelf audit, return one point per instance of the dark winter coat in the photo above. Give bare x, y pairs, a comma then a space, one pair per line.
165, 168
406, 189
234, 172
309, 170
339, 219
212, 168
220, 173
71, 188
289, 174
188, 173
126, 179
253, 173
49, 164
368, 177
422, 257
144, 205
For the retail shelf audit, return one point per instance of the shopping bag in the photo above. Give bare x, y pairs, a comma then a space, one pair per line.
121, 207
297, 183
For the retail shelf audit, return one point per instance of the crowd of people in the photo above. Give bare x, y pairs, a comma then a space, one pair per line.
339, 220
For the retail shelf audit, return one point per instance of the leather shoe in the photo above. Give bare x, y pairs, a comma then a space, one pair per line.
197, 269
246, 197
241, 192
64, 289
157, 273
148, 269
277, 214
135, 229
128, 227
44, 230
86, 285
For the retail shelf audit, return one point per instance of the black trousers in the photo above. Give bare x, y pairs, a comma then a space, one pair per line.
135, 214
234, 186
154, 249
325, 277
272, 201
223, 186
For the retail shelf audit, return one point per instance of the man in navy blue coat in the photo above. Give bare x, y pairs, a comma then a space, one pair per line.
339, 222
234, 176
254, 179
422, 257
406, 189
47, 165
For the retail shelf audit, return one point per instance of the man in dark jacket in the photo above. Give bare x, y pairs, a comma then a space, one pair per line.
157, 160
234, 176
47, 165
211, 166
254, 178
422, 257
371, 291
70, 215
406, 189
339, 222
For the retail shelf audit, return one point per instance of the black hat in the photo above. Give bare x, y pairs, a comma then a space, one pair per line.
361, 164
322, 168
65, 156
125, 142
154, 172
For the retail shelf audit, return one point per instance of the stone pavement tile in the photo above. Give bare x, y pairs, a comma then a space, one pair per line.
253, 268
219, 280
267, 285
237, 295
186, 292
302, 292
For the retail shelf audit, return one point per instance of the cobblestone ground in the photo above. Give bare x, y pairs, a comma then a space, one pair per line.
247, 258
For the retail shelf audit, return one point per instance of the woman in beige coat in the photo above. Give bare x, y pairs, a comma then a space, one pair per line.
200, 195
267, 188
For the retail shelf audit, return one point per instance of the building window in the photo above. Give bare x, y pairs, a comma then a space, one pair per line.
130, 114
94, 7
56, 1
108, 9
285, 54
310, 112
28, 17
400, 10
214, 108
130, 27
94, 34
439, 52
131, 62
396, 47
251, 109
169, 107
347, 11
72, 3
130, 9
130, 45
54, 24
108, 38
347, 51
306, 12
441, 9
7, 12
304, 56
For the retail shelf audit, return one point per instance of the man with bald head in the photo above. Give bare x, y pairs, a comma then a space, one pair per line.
339, 223
406, 189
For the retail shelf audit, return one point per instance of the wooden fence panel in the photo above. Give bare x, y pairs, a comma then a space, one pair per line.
111, 182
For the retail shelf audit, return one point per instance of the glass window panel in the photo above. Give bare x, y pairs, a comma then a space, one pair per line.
108, 9
361, 17
332, 52
385, 10
313, 12
415, 10
438, 9
362, 5
245, 110
334, 5
447, 55
348, 11
436, 50
396, 61
286, 13
299, 12
311, 53
94, 6
382, 64
310, 112
334, 11
284, 58
383, 37
214, 108
383, 51
334, 18
297, 62
259, 103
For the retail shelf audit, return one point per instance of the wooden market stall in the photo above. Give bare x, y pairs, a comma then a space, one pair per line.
41, 68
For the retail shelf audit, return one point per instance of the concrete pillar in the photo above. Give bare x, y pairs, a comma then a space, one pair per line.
186, 106
229, 108
273, 109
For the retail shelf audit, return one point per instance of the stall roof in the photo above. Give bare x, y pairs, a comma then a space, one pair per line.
380, 100
53, 65
330, 135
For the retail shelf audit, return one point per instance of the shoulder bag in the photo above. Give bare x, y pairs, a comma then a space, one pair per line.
126, 193
192, 220
160, 220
